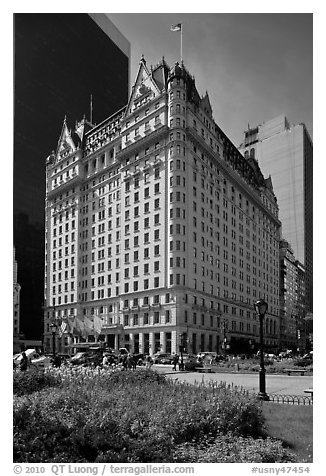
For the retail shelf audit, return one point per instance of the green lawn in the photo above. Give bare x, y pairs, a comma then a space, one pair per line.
293, 424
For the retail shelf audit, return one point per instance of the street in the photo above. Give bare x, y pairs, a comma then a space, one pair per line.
279, 384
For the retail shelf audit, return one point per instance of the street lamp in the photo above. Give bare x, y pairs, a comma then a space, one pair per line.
225, 341
182, 348
261, 309
53, 328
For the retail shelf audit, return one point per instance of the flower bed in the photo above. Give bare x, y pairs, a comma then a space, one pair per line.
102, 416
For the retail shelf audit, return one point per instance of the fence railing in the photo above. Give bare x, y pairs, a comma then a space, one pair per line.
291, 399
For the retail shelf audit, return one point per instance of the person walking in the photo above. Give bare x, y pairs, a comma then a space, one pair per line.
175, 361
129, 361
181, 364
105, 360
24, 362
149, 362
124, 362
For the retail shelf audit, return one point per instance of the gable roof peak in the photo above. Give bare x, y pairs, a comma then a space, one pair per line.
144, 85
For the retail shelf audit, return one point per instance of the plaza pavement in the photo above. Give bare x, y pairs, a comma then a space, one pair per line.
279, 384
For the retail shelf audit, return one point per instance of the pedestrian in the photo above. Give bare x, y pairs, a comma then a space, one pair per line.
181, 364
175, 361
57, 361
149, 362
24, 362
105, 360
129, 361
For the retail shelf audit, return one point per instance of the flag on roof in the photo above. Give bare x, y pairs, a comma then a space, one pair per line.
98, 323
62, 328
79, 326
176, 27
88, 326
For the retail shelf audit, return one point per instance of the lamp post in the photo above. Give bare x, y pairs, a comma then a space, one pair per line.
261, 309
225, 344
182, 349
53, 328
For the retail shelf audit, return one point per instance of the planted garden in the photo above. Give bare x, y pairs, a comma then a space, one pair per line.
99, 416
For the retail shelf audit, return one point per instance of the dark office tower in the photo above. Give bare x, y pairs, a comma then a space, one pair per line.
65, 64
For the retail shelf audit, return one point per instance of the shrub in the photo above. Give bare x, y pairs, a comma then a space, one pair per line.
25, 383
127, 417
227, 449
303, 362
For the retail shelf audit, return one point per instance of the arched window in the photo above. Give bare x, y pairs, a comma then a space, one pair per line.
252, 153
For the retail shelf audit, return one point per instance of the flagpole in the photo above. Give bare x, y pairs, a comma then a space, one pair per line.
181, 42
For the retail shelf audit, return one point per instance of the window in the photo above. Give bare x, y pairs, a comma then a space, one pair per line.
167, 316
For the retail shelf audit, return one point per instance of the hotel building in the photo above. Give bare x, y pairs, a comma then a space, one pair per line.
158, 228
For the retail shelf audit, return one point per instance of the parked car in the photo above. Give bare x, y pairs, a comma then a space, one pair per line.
79, 359
190, 362
140, 359
163, 358
207, 357
123, 351
220, 358
35, 360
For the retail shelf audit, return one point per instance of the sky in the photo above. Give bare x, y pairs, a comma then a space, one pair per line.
254, 66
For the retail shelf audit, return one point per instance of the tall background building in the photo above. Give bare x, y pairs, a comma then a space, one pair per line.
159, 233
16, 306
61, 60
292, 300
285, 152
